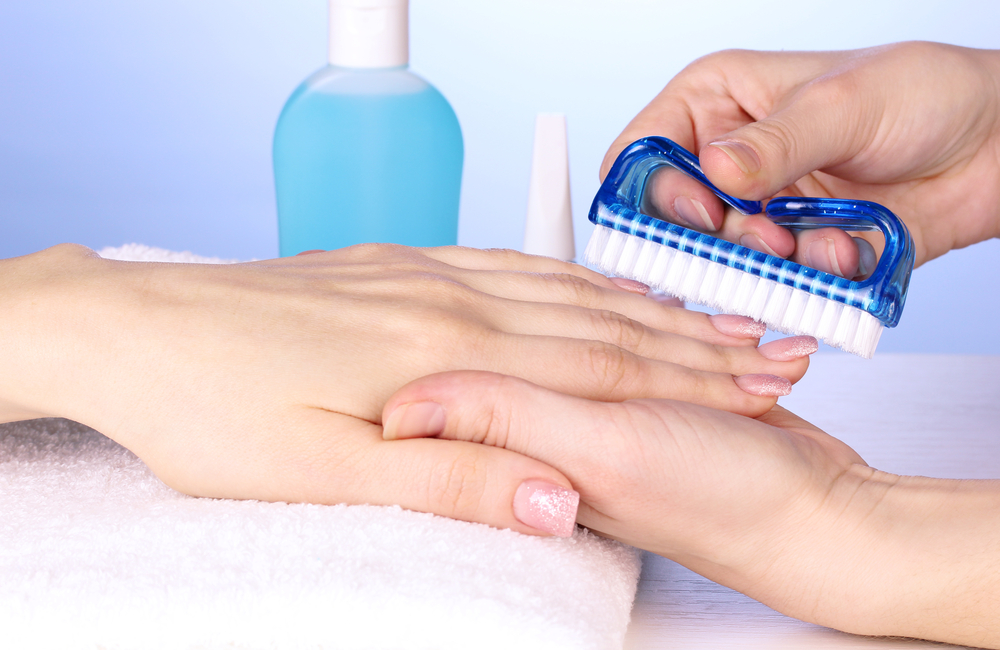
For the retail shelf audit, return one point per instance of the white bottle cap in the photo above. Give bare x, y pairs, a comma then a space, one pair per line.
549, 228
369, 33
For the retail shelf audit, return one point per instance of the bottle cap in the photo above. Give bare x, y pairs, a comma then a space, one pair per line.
369, 33
549, 227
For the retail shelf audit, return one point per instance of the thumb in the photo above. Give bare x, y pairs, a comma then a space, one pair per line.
823, 125
462, 480
505, 415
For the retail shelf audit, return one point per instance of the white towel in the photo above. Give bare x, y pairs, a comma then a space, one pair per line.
95, 552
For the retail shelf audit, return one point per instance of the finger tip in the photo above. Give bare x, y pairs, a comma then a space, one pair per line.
741, 327
546, 507
763, 385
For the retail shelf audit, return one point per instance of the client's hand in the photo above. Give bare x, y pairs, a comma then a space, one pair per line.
913, 126
772, 507
267, 380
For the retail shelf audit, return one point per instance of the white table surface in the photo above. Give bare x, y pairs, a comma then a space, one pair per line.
932, 415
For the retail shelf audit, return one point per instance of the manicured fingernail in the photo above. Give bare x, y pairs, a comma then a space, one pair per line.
764, 385
632, 286
753, 241
693, 212
744, 157
414, 420
793, 347
666, 299
315, 250
739, 326
822, 255
547, 507
867, 259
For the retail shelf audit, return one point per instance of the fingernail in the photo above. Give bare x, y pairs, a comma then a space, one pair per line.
822, 255
867, 259
693, 212
753, 241
793, 347
414, 420
666, 299
764, 385
738, 326
744, 157
547, 507
632, 286
315, 250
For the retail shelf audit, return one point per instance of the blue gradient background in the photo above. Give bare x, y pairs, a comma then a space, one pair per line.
151, 122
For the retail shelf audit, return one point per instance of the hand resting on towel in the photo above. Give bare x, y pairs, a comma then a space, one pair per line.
772, 507
267, 380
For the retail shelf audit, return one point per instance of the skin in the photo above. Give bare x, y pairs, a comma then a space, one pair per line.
267, 380
913, 126
772, 507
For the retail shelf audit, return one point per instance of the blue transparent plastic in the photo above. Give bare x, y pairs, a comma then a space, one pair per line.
366, 155
882, 294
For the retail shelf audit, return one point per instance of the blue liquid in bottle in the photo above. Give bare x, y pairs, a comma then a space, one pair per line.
367, 155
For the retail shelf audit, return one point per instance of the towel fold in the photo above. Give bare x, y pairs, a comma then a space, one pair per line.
95, 552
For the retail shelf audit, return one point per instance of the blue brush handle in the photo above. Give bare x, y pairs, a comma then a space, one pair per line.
891, 276
619, 200
634, 165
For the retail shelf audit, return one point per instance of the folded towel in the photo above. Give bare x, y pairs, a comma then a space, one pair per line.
95, 552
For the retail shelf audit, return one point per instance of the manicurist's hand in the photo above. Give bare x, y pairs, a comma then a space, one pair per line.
913, 126
772, 507
267, 380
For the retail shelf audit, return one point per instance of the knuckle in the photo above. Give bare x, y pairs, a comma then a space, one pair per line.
377, 252
575, 290
777, 130
715, 61
620, 330
615, 368
458, 485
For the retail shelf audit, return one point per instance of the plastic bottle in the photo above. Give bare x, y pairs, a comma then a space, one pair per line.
365, 150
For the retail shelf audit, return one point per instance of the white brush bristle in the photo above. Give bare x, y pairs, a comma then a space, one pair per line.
725, 289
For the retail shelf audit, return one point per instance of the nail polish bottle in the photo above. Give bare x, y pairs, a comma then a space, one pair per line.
365, 150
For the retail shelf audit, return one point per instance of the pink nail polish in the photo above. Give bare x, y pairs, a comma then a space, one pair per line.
738, 326
632, 286
547, 507
793, 347
666, 299
414, 420
764, 385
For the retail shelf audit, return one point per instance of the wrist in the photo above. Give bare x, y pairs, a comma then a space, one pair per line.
37, 301
907, 556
